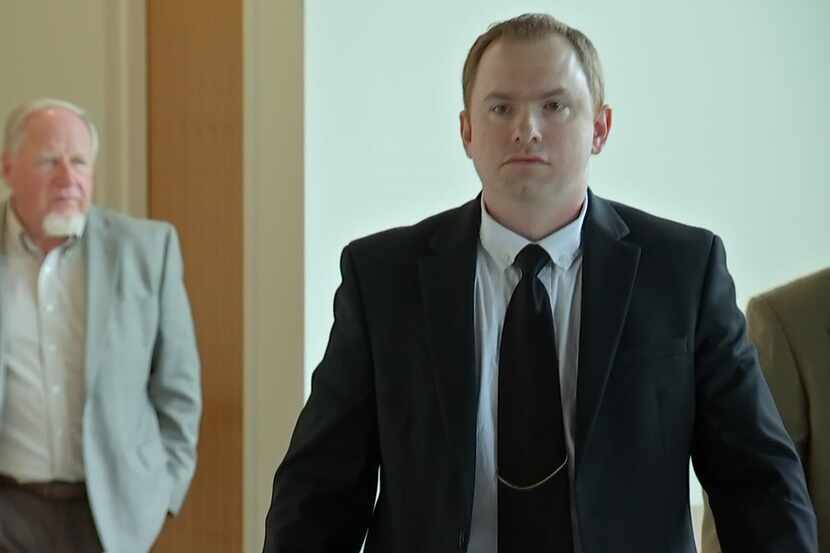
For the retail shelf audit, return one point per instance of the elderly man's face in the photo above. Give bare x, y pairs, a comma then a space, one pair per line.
531, 126
51, 171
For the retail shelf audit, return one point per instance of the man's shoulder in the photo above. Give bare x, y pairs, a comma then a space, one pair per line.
408, 240
679, 251
127, 227
653, 230
146, 241
808, 293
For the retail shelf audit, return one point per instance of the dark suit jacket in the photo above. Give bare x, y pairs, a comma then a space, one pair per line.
790, 325
665, 372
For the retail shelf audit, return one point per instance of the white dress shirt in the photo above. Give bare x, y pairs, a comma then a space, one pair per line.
44, 314
495, 281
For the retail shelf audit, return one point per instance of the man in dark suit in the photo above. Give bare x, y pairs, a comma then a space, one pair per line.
533, 370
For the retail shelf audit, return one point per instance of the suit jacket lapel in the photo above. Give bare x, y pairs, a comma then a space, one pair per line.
609, 269
447, 276
101, 277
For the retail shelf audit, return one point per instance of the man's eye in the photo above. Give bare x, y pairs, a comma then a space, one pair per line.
80, 162
500, 109
554, 106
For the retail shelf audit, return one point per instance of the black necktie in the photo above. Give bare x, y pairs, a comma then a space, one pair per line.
534, 490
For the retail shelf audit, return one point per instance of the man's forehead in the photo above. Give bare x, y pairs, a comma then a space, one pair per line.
549, 63
52, 118
55, 124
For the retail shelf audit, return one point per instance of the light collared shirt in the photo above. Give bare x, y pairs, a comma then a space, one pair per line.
496, 278
44, 314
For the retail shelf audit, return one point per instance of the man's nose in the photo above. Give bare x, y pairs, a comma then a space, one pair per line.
64, 171
527, 128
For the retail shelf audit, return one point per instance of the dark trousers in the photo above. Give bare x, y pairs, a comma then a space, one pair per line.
34, 523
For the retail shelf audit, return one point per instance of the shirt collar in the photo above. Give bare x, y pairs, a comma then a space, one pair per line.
563, 245
18, 242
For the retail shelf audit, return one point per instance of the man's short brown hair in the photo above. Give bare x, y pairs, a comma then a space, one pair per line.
534, 26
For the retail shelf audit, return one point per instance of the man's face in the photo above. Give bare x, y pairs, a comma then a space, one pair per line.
50, 172
530, 127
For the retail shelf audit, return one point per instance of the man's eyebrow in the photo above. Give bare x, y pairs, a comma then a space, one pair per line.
559, 91
498, 95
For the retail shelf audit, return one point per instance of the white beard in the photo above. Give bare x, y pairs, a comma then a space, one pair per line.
64, 224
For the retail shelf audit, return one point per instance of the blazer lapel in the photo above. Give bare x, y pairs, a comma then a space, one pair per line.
3, 268
447, 278
609, 269
101, 277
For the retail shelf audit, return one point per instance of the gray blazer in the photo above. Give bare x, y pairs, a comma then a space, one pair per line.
143, 390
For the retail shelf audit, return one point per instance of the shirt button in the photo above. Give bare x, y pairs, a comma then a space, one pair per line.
56, 390
51, 348
50, 308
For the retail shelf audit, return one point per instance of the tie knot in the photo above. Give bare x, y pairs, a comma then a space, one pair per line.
531, 259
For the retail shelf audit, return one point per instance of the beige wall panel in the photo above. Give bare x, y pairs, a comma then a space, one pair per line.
273, 246
92, 53
195, 154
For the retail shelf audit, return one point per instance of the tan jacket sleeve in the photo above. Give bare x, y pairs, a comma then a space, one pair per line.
780, 369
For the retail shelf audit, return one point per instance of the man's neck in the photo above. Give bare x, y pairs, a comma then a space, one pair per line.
533, 220
43, 242
49, 243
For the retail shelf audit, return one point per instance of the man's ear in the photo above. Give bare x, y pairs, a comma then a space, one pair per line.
6, 165
466, 131
602, 128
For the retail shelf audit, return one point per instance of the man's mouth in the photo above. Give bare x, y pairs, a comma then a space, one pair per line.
525, 160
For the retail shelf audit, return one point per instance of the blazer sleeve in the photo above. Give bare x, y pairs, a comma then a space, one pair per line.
175, 380
741, 452
324, 490
781, 371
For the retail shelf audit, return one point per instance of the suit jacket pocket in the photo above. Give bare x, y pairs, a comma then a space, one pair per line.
133, 321
653, 349
151, 453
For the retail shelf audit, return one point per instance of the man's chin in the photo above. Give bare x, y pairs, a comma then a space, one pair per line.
531, 191
61, 224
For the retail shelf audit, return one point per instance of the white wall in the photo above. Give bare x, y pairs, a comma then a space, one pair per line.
720, 121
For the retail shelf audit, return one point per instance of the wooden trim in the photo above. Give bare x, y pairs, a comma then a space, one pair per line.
196, 176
